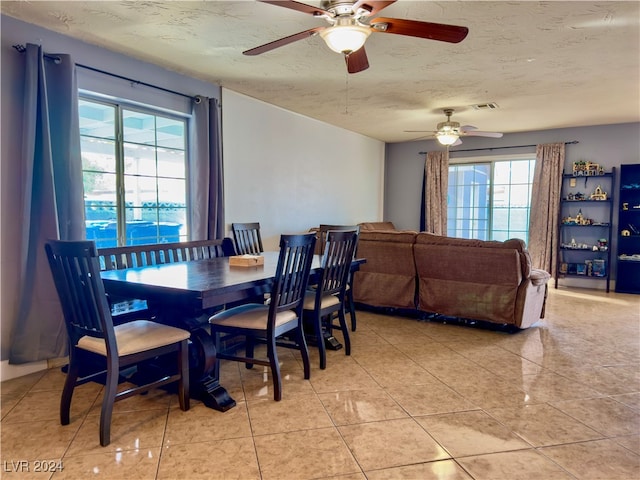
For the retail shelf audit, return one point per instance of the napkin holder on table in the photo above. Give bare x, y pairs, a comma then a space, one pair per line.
246, 260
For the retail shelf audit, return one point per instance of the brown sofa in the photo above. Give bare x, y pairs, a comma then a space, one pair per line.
471, 279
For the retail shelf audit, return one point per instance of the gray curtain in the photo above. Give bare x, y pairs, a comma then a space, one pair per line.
205, 172
545, 206
52, 204
436, 171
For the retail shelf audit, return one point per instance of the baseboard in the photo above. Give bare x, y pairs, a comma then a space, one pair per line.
7, 371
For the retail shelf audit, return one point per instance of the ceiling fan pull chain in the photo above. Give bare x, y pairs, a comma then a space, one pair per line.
346, 94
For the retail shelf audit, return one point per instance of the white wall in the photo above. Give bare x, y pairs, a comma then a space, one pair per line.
291, 173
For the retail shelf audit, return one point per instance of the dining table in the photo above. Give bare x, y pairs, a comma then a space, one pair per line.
186, 294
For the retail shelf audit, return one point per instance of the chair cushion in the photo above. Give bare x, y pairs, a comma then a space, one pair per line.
252, 316
327, 301
136, 336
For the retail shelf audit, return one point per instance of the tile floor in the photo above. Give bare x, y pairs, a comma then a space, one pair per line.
415, 400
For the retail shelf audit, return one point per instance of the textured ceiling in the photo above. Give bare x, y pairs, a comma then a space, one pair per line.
546, 64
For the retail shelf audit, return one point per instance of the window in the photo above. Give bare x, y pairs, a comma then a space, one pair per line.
490, 199
134, 174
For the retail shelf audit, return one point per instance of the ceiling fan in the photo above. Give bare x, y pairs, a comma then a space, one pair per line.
351, 23
448, 133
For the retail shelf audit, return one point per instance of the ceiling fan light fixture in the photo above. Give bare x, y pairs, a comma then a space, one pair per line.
447, 138
448, 132
345, 38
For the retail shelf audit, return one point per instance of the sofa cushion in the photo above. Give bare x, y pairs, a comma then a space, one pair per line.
478, 283
513, 243
377, 226
388, 278
393, 236
525, 259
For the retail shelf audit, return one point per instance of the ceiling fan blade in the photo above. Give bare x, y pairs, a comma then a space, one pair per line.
478, 133
423, 137
300, 7
357, 61
283, 41
373, 6
467, 128
457, 142
415, 28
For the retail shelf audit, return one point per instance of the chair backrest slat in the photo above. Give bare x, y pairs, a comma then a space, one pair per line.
336, 260
247, 238
292, 272
130, 256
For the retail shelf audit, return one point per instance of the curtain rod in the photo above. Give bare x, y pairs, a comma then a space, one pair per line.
57, 60
573, 142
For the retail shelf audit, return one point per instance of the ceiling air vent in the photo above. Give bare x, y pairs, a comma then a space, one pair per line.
486, 106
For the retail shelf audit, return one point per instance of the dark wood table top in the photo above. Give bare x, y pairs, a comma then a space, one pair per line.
199, 284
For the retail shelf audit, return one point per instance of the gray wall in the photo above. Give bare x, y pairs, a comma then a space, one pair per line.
608, 145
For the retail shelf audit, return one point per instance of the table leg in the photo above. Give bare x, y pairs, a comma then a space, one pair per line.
331, 342
204, 367
205, 372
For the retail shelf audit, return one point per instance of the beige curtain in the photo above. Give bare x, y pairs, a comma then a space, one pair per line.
545, 207
436, 172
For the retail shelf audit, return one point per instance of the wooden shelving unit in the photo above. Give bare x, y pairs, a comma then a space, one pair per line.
584, 225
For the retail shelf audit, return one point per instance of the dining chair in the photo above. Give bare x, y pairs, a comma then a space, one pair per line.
322, 232
260, 323
328, 297
93, 337
247, 238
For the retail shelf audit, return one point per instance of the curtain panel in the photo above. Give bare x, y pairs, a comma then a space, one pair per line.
545, 206
52, 204
436, 184
206, 173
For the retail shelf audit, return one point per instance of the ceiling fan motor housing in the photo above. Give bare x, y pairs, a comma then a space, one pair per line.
448, 126
339, 8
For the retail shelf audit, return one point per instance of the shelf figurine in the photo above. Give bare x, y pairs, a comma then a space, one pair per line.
587, 169
603, 244
598, 194
574, 197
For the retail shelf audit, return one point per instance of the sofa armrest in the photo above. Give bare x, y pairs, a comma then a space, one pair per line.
539, 277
